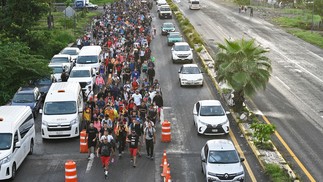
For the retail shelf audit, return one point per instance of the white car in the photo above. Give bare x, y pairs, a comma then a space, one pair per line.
72, 51
190, 74
64, 59
210, 118
220, 161
84, 75
182, 52
58, 70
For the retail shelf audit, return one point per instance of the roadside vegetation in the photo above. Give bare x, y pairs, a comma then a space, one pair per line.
27, 42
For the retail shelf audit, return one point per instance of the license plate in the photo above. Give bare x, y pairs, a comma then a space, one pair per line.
214, 130
59, 132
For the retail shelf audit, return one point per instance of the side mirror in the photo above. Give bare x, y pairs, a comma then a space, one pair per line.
179, 71
17, 145
191, 49
194, 112
227, 112
172, 49
80, 109
40, 111
203, 160
241, 159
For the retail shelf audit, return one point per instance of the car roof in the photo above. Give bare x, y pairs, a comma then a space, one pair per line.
26, 90
61, 56
210, 103
174, 33
220, 144
181, 43
190, 65
55, 65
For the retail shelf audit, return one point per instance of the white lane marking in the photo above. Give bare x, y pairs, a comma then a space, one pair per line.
282, 82
89, 165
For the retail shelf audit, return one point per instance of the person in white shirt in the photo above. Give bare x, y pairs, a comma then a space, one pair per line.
137, 97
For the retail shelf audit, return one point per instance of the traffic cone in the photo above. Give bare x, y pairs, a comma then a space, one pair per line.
165, 166
163, 159
168, 178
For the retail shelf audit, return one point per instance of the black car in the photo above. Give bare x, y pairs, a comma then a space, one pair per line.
28, 96
44, 84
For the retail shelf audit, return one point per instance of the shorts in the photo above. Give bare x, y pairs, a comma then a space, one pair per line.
105, 160
133, 151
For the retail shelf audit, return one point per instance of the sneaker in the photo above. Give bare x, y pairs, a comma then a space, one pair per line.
152, 158
148, 157
112, 160
106, 174
131, 160
119, 155
134, 166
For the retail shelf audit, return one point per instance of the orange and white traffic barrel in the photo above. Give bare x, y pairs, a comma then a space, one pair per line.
166, 132
83, 142
70, 171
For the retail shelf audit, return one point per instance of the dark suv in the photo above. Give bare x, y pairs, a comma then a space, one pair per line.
28, 96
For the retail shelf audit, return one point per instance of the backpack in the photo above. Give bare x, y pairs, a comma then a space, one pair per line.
105, 150
150, 134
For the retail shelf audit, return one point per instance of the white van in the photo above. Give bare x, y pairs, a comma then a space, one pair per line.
160, 3
89, 56
62, 111
194, 4
17, 137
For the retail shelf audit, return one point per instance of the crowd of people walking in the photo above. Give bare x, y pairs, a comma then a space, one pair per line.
126, 105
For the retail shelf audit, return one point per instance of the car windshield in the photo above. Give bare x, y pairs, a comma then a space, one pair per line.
69, 52
168, 25
60, 108
190, 70
223, 157
57, 70
174, 36
23, 98
182, 48
212, 111
5, 141
195, 2
80, 73
164, 9
59, 60
87, 59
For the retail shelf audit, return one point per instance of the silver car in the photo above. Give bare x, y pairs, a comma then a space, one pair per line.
220, 161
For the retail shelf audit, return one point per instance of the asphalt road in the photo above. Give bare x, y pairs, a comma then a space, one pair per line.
183, 152
293, 98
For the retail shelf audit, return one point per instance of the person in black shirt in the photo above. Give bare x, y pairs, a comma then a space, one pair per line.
105, 149
92, 136
142, 111
133, 140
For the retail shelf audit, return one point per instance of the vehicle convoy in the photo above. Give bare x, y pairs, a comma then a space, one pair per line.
160, 3
17, 138
182, 52
85, 76
28, 96
89, 56
190, 74
58, 69
72, 51
220, 161
164, 12
63, 110
210, 118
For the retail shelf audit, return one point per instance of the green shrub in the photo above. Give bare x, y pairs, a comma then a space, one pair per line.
199, 49
276, 173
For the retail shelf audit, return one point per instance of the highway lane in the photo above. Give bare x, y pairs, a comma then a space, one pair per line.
47, 163
293, 99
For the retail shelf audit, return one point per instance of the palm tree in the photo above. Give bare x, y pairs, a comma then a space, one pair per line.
243, 66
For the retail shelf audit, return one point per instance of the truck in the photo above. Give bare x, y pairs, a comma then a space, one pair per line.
79, 4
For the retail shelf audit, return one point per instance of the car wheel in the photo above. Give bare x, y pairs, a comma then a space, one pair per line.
180, 83
31, 148
202, 168
13, 171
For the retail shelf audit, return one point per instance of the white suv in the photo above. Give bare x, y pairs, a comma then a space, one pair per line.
220, 161
84, 75
182, 52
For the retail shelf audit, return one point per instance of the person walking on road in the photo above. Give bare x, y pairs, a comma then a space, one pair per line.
150, 139
92, 136
105, 149
133, 140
